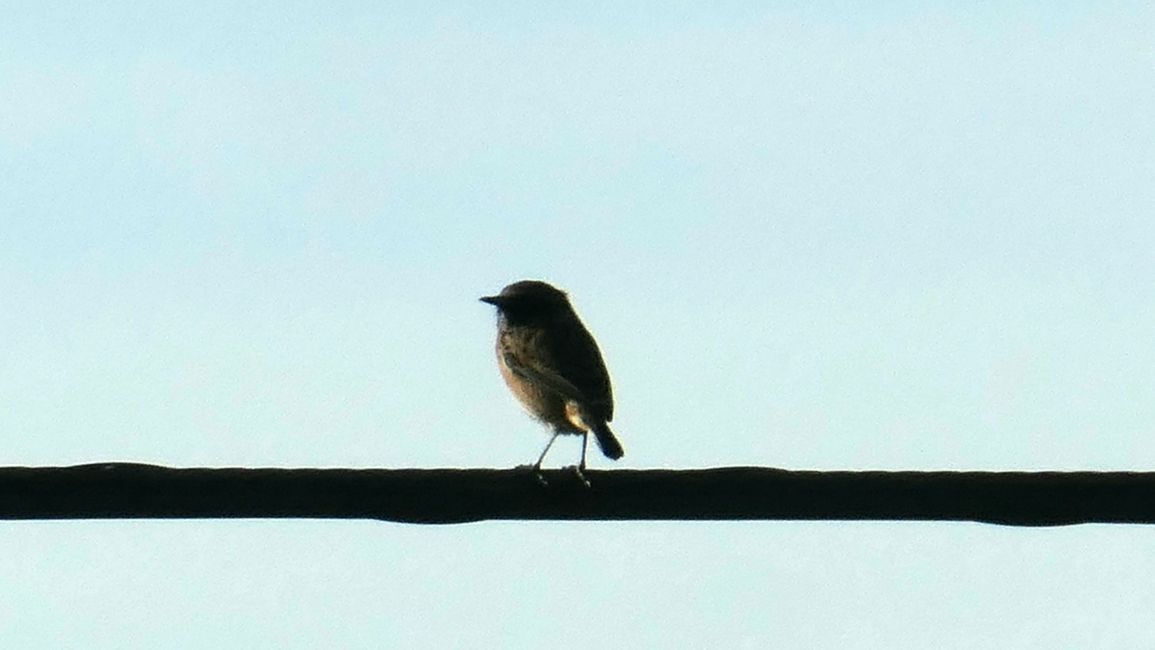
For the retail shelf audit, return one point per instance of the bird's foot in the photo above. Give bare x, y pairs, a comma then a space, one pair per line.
537, 473
577, 469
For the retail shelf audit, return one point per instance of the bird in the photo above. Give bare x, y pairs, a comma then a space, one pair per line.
552, 365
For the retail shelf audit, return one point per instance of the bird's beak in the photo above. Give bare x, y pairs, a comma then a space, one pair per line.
493, 300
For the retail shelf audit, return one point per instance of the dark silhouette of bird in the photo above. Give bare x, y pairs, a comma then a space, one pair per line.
553, 366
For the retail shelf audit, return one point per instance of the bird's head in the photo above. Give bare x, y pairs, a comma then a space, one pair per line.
530, 300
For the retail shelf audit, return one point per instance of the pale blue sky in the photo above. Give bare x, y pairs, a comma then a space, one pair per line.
904, 236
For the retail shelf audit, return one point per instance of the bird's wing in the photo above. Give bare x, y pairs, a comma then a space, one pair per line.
575, 353
543, 377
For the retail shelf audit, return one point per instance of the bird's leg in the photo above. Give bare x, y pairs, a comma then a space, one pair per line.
579, 469
537, 465
545, 451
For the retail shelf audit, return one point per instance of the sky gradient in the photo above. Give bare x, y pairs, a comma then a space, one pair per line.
909, 236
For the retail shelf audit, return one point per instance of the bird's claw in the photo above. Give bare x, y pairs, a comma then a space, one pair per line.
581, 476
540, 475
537, 473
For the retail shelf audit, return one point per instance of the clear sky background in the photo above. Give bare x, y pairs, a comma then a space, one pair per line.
806, 235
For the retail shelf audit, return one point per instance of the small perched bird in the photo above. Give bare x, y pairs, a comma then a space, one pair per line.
553, 366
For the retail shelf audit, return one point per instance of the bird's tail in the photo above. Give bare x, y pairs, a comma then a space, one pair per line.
607, 442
